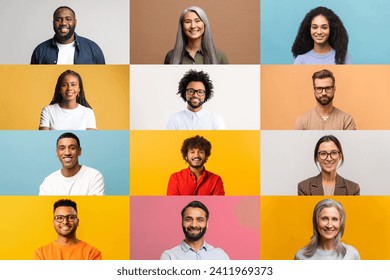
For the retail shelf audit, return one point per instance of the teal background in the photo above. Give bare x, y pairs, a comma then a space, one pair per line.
27, 157
367, 23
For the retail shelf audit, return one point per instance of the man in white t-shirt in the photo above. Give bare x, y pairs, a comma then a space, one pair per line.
72, 178
195, 88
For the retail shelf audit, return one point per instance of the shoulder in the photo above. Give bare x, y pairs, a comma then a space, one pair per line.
168, 57
301, 59
299, 255
44, 44
212, 175
171, 253
308, 181
348, 183
89, 170
83, 40
54, 175
218, 253
221, 56
352, 253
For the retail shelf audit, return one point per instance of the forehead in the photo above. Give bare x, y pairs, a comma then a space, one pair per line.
330, 211
64, 12
196, 85
64, 210
329, 145
70, 78
323, 82
67, 142
194, 213
190, 16
319, 20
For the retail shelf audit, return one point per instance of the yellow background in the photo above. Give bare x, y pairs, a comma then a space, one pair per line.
286, 225
27, 89
361, 90
27, 224
155, 155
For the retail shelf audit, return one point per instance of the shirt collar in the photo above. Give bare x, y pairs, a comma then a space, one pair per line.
54, 42
185, 247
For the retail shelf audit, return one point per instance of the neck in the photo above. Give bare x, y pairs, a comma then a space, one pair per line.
63, 240
195, 245
194, 109
327, 245
322, 48
328, 178
69, 172
324, 110
193, 46
198, 171
68, 104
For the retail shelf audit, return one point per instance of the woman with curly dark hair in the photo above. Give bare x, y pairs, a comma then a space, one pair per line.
321, 39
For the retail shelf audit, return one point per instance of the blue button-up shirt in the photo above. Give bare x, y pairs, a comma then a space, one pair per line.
86, 52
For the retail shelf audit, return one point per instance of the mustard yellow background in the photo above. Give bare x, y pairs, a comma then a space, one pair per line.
27, 224
361, 90
155, 155
286, 225
27, 89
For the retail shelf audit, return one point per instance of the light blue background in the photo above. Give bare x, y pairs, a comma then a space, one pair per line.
27, 157
367, 23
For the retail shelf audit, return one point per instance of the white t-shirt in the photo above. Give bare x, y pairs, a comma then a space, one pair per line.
200, 120
66, 53
56, 118
88, 181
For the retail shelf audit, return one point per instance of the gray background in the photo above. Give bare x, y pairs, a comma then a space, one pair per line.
153, 95
287, 159
25, 24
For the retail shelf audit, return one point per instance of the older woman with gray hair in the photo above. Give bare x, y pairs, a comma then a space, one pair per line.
328, 229
194, 42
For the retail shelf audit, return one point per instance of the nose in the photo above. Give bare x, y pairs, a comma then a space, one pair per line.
193, 24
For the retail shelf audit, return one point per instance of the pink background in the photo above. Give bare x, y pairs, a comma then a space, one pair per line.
233, 225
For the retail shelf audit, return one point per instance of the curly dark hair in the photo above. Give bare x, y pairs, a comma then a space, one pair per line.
196, 142
195, 76
338, 37
57, 97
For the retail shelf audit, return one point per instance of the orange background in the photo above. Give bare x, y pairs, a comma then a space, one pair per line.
361, 91
235, 26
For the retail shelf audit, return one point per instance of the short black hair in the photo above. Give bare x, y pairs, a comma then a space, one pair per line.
64, 7
64, 202
195, 204
196, 76
69, 135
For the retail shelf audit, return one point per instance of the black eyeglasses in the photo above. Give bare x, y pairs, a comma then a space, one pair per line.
192, 91
333, 155
328, 89
61, 218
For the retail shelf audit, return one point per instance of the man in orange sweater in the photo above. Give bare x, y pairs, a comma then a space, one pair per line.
67, 246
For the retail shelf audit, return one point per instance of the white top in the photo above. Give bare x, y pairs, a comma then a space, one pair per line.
201, 120
88, 181
66, 53
56, 118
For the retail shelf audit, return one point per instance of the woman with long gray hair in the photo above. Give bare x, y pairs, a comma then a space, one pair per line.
328, 229
194, 42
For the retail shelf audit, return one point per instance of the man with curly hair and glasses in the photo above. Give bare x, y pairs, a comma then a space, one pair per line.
195, 88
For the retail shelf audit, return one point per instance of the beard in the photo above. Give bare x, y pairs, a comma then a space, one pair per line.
324, 100
63, 38
195, 237
195, 106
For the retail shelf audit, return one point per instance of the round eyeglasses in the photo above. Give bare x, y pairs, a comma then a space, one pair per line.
333, 155
192, 91
61, 218
328, 89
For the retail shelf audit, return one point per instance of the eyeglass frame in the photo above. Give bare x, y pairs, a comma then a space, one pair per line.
329, 155
67, 217
327, 89
191, 91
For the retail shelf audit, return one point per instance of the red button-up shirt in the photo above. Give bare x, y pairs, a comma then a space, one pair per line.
184, 183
